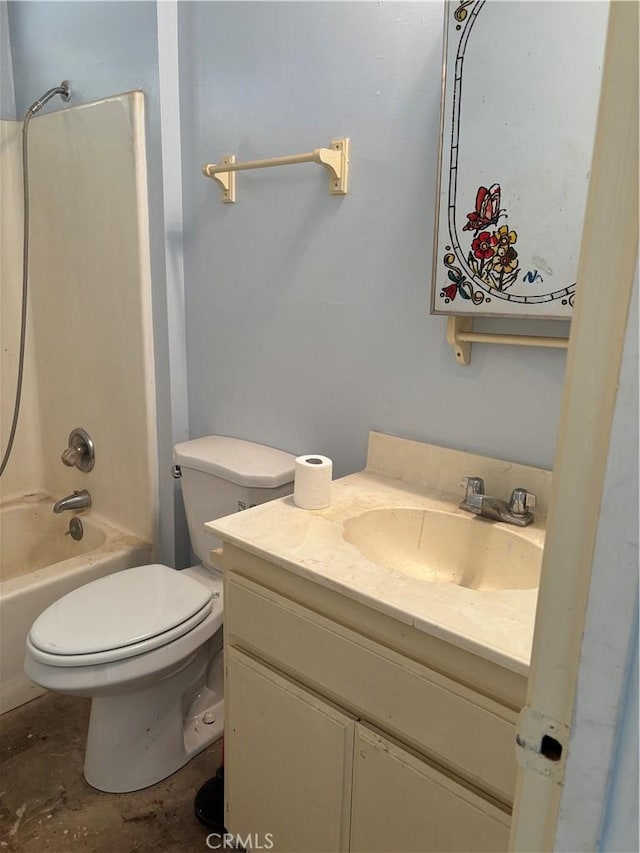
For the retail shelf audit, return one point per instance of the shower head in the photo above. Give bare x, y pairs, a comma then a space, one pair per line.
63, 90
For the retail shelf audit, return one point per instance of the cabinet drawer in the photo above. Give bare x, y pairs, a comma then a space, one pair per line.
462, 730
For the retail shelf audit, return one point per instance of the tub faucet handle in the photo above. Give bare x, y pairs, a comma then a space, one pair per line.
80, 452
70, 456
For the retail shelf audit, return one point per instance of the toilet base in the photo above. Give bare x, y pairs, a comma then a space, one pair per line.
137, 739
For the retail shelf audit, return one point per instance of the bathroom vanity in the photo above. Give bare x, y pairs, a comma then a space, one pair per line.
373, 708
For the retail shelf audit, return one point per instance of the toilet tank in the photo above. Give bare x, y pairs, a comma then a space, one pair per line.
222, 475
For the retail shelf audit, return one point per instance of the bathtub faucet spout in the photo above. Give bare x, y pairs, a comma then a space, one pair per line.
78, 500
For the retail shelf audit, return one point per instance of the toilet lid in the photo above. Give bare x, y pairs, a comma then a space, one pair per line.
119, 610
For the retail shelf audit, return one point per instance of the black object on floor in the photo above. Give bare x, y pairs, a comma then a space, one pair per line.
209, 803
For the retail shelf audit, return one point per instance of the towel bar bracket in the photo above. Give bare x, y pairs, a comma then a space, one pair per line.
336, 161
462, 349
226, 180
460, 336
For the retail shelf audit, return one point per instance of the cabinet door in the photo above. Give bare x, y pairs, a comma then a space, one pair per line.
401, 803
288, 761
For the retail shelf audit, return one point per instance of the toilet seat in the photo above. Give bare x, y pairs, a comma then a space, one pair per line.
120, 616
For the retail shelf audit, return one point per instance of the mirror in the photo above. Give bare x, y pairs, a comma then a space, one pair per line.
521, 85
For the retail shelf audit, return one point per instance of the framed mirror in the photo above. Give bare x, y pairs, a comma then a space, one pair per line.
521, 85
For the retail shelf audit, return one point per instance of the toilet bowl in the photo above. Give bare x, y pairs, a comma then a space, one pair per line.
146, 643
157, 691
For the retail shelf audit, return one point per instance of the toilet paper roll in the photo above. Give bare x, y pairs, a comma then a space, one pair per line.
312, 481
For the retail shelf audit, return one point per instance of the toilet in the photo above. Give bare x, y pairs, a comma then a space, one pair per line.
146, 643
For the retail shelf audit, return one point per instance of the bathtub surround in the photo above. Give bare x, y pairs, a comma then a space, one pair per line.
89, 359
90, 332
25, 471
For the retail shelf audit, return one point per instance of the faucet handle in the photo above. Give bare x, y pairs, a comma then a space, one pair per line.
520, 501
80, 452
473, 485
70, 456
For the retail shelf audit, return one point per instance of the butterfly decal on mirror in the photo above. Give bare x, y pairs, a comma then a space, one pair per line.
487, 210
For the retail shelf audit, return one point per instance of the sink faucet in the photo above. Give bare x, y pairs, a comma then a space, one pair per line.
78, 500
514, 512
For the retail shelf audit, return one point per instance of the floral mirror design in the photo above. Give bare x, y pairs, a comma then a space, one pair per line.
519, 110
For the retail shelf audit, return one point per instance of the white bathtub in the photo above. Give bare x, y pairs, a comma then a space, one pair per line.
39, 564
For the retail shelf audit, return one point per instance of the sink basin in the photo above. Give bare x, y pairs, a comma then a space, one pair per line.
441, 547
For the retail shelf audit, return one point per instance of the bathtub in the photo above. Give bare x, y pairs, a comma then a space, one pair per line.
39, 564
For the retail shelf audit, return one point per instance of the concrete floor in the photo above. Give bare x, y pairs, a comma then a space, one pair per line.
45, 803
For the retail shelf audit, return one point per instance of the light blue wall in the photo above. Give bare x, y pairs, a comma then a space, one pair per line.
307, 315
104, 48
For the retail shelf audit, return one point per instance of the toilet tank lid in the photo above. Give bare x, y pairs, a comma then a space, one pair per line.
243, 463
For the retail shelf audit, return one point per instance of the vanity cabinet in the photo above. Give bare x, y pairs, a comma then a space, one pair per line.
348, 730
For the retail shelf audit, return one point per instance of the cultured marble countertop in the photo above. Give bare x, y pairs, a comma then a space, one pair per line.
494, 624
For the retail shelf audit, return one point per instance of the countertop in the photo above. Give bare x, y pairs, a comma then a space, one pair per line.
494, 624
